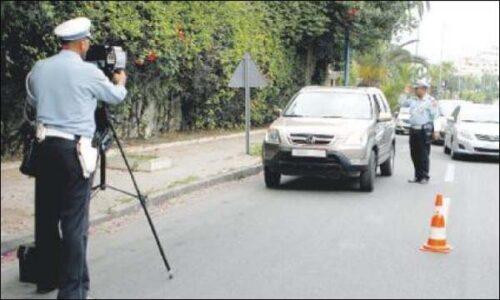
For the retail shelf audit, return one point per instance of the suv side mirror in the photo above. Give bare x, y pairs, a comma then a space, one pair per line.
384, 117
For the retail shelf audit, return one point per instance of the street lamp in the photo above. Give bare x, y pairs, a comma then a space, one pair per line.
351, 13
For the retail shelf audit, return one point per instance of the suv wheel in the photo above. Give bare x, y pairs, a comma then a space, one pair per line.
271, 178
367, 179
387, 167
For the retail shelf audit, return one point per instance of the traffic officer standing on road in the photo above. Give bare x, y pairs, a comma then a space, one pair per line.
65, 90
423, 111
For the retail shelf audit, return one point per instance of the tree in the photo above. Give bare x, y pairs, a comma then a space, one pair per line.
316, 29
376, 65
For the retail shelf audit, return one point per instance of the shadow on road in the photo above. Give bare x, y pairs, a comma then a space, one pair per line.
478, 159
319, 184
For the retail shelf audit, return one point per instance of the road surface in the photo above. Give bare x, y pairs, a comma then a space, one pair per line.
310, 239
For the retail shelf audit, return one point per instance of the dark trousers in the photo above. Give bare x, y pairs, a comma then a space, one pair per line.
61, 219
420, 149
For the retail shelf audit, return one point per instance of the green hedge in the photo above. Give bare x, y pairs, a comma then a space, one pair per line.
181, 56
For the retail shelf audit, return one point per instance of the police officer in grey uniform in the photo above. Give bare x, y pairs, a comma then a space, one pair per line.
423, 111
65, 90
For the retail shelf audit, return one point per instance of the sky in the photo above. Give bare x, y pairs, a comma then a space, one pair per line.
457, 29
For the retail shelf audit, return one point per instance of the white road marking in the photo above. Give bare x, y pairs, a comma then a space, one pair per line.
450, 173
446, 207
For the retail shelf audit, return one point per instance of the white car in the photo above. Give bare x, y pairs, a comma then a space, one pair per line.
446, 107
402, 123
473, 129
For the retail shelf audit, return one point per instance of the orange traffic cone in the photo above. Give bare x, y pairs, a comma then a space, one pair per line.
439, 205
439, 200
437, 240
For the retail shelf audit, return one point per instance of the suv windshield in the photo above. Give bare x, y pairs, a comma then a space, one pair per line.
330, 105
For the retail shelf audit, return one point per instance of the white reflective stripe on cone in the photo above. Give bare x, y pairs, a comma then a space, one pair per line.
438, 233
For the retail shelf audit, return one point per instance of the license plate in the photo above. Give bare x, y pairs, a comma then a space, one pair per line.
308, 153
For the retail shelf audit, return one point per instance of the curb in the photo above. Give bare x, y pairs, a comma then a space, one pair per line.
152, 147
158, 199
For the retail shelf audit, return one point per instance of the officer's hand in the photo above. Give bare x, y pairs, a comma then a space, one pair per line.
120, 78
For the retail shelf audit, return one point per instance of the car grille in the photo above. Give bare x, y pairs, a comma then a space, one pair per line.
310, 139
485, 137
487, 150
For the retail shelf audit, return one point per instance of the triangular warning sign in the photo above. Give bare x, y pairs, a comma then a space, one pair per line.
255, 78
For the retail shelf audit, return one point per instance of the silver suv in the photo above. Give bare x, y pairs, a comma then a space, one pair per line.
331, 132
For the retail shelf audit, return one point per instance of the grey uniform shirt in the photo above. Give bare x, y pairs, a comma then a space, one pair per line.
66, 90
421, 111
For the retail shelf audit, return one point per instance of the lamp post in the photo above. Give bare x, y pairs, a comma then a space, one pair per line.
346, 56
351, 13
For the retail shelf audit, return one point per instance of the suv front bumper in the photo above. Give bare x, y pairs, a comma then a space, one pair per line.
279, 159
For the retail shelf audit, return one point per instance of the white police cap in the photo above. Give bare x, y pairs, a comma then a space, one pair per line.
421, 83
74, 29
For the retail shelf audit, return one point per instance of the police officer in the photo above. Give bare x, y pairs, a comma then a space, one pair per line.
65, 90
423, 111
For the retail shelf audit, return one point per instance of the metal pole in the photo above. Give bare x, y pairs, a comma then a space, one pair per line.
247, 105
346, 57
459, 86
439, 94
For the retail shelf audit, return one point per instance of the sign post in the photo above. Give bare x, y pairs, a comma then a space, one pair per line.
246, 58
247, 75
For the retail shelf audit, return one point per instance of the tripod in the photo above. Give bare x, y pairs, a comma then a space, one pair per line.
142, 199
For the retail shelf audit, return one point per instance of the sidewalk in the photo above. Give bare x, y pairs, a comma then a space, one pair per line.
186, 163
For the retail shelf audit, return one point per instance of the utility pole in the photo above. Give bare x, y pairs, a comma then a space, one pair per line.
416, 52
346, 56
351, 14
441, 64
459, 86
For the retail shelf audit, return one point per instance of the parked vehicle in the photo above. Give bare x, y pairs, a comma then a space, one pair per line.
446, 107
402, 123
473, 129
331, 132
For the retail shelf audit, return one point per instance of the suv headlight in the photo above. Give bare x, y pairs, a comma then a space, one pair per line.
272, 136
465, 135
356, 139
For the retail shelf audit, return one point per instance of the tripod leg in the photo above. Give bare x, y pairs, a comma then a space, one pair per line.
143, 203
103, 169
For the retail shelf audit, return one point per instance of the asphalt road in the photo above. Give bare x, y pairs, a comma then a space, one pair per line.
310, 239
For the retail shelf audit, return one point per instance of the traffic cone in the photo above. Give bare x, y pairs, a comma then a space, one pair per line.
439, 205
437, 240
439, 200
